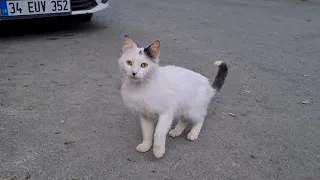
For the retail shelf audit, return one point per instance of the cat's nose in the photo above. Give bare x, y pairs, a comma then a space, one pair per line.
133, 74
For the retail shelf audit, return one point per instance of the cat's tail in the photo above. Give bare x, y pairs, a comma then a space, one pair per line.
221, 75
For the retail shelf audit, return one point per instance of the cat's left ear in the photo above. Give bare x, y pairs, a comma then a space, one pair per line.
127, 43
153, 50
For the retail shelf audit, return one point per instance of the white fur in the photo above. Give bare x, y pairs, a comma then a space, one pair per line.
163, 93
218, 63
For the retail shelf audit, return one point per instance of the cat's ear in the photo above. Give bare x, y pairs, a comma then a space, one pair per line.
153, 50
127, 43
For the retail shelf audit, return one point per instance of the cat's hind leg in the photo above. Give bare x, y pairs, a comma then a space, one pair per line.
179, 128
195, 130
197, 116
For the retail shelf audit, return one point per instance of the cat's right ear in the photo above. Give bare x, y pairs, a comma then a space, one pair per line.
127, 43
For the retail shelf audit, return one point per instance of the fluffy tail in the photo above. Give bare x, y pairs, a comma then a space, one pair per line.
221, 76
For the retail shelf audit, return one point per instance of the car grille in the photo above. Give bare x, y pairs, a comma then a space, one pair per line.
77, 5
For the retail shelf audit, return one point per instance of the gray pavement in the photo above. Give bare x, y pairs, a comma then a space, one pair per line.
62, 117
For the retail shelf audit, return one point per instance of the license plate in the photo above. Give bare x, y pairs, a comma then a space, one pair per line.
33, 7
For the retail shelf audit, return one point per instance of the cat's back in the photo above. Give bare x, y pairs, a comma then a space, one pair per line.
182, 75
190, 89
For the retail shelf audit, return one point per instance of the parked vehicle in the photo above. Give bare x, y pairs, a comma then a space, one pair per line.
26, 9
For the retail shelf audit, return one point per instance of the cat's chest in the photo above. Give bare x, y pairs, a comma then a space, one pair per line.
137, 100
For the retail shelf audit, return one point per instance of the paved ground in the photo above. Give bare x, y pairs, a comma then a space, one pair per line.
62, 86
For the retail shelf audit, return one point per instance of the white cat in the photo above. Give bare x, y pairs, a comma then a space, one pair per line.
164, 93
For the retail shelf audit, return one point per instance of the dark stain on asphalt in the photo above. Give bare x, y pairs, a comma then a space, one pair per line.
252, 156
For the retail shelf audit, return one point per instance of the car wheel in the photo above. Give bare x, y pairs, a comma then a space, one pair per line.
84, 17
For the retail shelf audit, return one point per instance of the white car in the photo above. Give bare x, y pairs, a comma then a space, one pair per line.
24, 9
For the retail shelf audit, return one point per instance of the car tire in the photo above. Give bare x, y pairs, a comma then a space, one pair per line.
84, 17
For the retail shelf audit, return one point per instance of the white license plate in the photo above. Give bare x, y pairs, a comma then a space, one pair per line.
33, 7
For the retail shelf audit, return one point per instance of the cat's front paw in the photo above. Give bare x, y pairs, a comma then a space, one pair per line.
143, 147
158, 151
174, 133
192, 136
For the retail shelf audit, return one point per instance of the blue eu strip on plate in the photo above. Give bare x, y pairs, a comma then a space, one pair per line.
3, 8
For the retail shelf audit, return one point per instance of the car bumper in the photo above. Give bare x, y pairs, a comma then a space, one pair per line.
99, 7
77, 7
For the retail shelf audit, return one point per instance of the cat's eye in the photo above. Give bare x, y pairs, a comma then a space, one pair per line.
129, 63
144, 65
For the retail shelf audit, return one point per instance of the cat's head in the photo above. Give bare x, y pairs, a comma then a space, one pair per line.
138, 63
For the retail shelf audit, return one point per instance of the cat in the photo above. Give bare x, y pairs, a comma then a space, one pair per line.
163, 94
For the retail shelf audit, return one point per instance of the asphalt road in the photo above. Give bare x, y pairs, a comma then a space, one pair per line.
62, 117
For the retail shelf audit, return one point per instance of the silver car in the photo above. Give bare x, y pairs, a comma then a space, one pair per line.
24, 9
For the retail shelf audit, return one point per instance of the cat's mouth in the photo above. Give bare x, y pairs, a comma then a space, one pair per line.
135, 78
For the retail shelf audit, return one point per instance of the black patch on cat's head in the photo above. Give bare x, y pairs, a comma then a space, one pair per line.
148, 52
140, 52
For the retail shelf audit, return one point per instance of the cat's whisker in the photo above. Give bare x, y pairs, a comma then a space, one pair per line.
121, 76
144, 78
